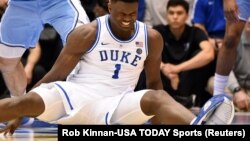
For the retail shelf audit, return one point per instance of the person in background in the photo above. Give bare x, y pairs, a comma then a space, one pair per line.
101, 8
185, 56
155, 12
207, 16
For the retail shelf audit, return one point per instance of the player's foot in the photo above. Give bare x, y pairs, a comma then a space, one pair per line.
217, 110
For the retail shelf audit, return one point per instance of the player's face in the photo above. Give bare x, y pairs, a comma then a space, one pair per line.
123, 14
176, 16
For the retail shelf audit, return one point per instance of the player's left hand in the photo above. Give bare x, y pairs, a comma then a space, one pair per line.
10, 128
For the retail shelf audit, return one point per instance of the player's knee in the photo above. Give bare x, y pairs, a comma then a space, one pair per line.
8, 65
153, 100
231, 40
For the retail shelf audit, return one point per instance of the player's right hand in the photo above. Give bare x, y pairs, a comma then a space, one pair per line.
10, 128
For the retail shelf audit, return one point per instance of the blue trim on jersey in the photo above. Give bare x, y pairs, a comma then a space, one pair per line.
120, 41
66, 95
146, 38
98, 31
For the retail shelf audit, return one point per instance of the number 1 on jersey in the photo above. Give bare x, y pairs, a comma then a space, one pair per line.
116, 72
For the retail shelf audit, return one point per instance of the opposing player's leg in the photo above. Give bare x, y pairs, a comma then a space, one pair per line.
12, 71
67, 20
18, 33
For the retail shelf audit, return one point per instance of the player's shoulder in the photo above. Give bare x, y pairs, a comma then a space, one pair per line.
153, 34
87, 29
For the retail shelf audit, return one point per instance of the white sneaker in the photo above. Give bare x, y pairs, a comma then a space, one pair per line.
217, 110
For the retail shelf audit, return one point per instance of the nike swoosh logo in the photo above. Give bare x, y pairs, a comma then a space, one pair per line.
102, 43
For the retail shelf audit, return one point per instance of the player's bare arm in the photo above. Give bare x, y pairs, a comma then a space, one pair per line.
79, 41
153, 61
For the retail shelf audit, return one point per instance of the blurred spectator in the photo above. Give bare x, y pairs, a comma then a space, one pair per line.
207, 15
155, 12
101, 8
185, 55
88, 6
141, 10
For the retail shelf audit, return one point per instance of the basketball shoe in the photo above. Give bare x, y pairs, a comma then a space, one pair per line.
218, 110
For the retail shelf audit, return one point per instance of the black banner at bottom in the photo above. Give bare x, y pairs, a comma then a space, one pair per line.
199, 132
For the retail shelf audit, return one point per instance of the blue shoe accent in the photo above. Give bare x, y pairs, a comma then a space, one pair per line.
32, 122
222, 102
26, 121
42, 124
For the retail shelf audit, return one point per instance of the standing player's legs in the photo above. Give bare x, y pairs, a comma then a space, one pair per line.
138, 107
227, 56
227, 53
13, 72
20, 29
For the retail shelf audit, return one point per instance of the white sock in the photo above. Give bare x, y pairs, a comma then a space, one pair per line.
220, 83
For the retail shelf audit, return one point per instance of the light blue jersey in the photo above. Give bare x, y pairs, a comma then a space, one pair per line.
244, 9
23, 20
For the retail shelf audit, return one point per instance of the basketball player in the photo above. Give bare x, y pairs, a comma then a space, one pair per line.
107, 57
237, 12
21, 26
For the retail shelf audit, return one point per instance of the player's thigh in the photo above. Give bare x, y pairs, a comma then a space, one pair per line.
129, 110
21, 25
54, 107
65, 18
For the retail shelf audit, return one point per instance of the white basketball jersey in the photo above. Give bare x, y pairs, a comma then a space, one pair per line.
112, 66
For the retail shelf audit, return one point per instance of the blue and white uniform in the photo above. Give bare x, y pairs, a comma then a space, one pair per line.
100, 89
24, 20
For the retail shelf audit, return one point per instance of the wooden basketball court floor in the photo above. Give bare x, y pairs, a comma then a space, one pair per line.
50, 134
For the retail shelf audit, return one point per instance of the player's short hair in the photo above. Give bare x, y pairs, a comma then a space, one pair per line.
128, 1
183, 3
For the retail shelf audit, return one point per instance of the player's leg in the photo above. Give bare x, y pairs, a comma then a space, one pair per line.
129, 110
145, 104
13, 73
17, 34
54, 108
30, 104
227, 53
165, 108
67, 16
43, 102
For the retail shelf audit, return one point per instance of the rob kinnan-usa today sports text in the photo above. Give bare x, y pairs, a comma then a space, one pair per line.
152, 132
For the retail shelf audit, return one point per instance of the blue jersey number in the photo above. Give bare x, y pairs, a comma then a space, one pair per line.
116, 72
